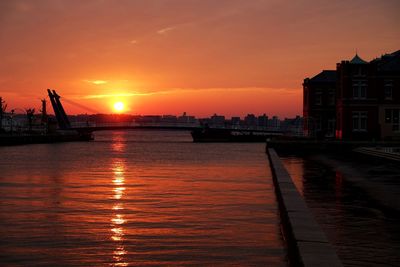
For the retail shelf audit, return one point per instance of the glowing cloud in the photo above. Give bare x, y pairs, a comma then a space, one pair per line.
177, 90
96, 82
165, 30
114, 95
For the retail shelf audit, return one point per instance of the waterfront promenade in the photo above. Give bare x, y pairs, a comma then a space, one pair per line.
355, 202
307, 243
377, 177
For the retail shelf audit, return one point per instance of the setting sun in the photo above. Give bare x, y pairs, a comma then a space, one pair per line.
118, 106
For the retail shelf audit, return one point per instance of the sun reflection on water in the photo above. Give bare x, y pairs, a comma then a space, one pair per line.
118, 207
117, 221
119, 191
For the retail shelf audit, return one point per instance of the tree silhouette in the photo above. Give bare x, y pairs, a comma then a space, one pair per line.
3, 107
30, 112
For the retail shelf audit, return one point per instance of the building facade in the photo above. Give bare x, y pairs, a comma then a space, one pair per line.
366, 100
356, 107
319, 103
386, 73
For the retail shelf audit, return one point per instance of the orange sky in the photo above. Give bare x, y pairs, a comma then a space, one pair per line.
230, 57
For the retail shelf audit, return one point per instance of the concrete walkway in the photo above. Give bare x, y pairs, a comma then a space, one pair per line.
380, 181
308, 245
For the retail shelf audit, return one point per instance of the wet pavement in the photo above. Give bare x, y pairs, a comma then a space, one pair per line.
363, 231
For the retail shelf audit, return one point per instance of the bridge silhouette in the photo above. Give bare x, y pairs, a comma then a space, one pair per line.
159, 126
65, 124
132, 126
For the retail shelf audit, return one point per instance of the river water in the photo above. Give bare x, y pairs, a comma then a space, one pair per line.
138, 198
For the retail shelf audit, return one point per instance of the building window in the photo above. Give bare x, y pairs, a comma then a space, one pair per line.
359, 72
360, 119
331, 127
359, 89
318, 124
318, 98
388, 116
396, 114
395, 120
388, 89
331, 98
392, 116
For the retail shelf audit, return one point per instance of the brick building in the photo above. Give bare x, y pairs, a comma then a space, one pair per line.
319, 104
367, 100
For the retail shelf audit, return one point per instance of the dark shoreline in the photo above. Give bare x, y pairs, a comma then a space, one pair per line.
25, 139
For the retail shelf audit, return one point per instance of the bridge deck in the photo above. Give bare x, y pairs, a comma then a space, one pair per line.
162, 127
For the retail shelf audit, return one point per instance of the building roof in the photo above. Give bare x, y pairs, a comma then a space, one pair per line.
357, 60
325, 76
389, 62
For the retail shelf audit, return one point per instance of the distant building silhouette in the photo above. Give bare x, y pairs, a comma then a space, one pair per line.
319, 110
235, 122
367, 100
217, 120
292, 126
169, 119
274, 124
250, 121
262, 121
186, 119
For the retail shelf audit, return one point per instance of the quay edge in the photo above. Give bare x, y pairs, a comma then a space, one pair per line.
25, 139
307, 243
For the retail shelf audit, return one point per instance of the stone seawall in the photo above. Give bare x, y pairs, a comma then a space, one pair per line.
307, 243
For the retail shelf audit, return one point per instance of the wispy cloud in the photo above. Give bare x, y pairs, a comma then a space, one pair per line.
114, 95
186, 90
226, 89
166, 30
96, 82
145, 37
